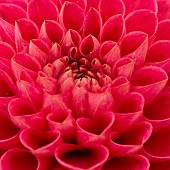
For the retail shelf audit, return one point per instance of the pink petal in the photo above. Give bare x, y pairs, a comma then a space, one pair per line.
132, 5
100, 102
95, 130
79, 102
92, 23
162, 151
163, 9
157, 112
108, 8
47, 83
71, 39
159, 55
81, 157
163, 30
109, 52
152, 81
113, 29
69, 19
40, 10
40, 143
136, 21
18, 159
119, 87
51, 32
130, 141
39, 50
128, 111
134, 45
134, 162
6, 50
95, 65
25, 30
160, 165
81, 3
92, 4
89, 47
63, 121
30, 91
24, 67
11, 12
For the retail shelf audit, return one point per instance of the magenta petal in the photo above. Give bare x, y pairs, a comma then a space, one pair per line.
11, 12
63, 121
40, 143
30, 91
95, 130
55, 52
113, 29
100, 102
163, 30
18, 159
51, 32
132, 5
135, 45
6, 50
136, 21
40, 10
24, 67
39, 50
108, 8
134, 162
162, 151
109, 52
130, 141
81, 157
159, 55
69, 19
129, 111
119, 87
93, 4
152, 81
160, 165
92, 23
89, 47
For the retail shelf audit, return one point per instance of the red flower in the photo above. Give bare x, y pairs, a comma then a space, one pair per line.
84, 84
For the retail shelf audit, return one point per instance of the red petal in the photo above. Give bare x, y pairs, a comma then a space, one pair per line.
11, 12
108, 8
55, 52
136, 21
81, 157
40, 10
113, 29
92, 23
69, 19
160, 165
152, 81
51, 32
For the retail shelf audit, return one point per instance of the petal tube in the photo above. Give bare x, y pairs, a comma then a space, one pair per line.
152, 81
69, 19
81, 157
108, 8
133, 162
18, 159
40, 10
94, 130
130, 141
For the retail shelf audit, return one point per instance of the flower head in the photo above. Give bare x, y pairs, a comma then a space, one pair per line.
84, 84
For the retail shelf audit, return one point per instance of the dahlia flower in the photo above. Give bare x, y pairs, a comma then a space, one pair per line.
84, 84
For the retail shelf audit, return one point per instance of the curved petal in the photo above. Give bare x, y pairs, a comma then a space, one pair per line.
92, 23
40, 10
108, 8
134, 162
95, 130
69, 19
152, 81
81, 157
113, 29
